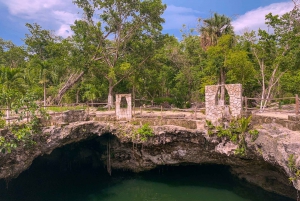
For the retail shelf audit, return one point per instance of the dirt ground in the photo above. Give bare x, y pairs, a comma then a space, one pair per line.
190, 114
282, 113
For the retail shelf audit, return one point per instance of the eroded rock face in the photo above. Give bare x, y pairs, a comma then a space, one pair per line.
265, 164
276, 144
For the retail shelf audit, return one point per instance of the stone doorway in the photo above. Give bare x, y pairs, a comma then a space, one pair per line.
123, 106
231, 107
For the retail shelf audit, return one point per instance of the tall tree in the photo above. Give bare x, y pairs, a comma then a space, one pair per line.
275, 52
212, 29
47, 55
107, 28
11, 55
11, 82
12, 63
218, 56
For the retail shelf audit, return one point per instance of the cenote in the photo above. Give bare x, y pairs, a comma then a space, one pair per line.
60, 177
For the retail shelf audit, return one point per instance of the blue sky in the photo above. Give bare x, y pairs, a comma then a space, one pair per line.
58, 15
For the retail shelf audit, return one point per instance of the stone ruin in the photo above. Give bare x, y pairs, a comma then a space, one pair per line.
217, 110
123, 106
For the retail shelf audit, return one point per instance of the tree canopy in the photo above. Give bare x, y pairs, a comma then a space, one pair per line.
118, 47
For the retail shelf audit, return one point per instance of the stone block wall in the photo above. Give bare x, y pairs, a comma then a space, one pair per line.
216, 111
70, 116
123, 113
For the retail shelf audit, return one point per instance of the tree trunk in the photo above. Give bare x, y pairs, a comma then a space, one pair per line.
222, 83
110, 99
44, 93
73, 79
133, 96
77, 96
263, 85
7, 113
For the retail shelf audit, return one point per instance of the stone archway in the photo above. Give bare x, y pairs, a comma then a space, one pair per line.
215, 109
123, 106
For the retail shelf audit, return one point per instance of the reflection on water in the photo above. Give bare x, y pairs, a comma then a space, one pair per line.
137, 189
191, 183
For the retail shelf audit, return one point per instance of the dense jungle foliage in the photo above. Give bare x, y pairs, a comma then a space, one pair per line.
122, 50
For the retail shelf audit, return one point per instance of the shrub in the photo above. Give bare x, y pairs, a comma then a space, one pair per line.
288, 101
162, 100
2, 122
144, 132
235, 132
254, 134
292, 162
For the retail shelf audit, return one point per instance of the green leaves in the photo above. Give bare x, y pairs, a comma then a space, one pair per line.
22, 134
114, 33
144, 132
90, 92
236, 132
213, 28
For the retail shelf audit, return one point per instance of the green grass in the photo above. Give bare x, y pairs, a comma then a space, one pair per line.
65, 108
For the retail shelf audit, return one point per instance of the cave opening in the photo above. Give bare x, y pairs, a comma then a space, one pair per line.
78, 171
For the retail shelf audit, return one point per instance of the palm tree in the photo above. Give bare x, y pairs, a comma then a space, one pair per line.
12, 83
213, 28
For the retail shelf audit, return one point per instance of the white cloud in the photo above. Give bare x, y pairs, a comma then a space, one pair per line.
66, 17
175, 17
255, 19
50, 14
64, 31
29, 7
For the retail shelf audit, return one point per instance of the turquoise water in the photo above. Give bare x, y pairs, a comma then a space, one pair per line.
186, 183
138, 189
61, 176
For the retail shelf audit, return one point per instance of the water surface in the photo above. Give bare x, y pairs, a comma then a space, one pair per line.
190, 183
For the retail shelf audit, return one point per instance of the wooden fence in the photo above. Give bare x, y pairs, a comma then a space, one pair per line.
296, 99
11, 115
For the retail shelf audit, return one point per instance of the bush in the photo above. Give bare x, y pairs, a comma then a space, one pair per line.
144, 132
254, 134
162, 100
2, 122
235, 132
288, 101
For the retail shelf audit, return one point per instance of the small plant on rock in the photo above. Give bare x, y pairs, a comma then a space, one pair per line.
292, 162
144, 132
236, 132
254, 134
210, 127
293, 168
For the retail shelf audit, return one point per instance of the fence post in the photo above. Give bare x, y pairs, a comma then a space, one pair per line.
297, 104
7, 113
88, 109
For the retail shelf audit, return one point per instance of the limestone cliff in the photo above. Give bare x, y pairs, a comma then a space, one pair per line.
266, 162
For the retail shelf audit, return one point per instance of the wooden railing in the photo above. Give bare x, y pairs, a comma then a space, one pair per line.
296, 98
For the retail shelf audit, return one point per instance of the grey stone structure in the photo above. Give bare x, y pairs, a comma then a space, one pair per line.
123, 113
215, 109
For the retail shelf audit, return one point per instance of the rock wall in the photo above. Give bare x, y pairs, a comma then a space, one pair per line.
266, 162
215, 110
57, 118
